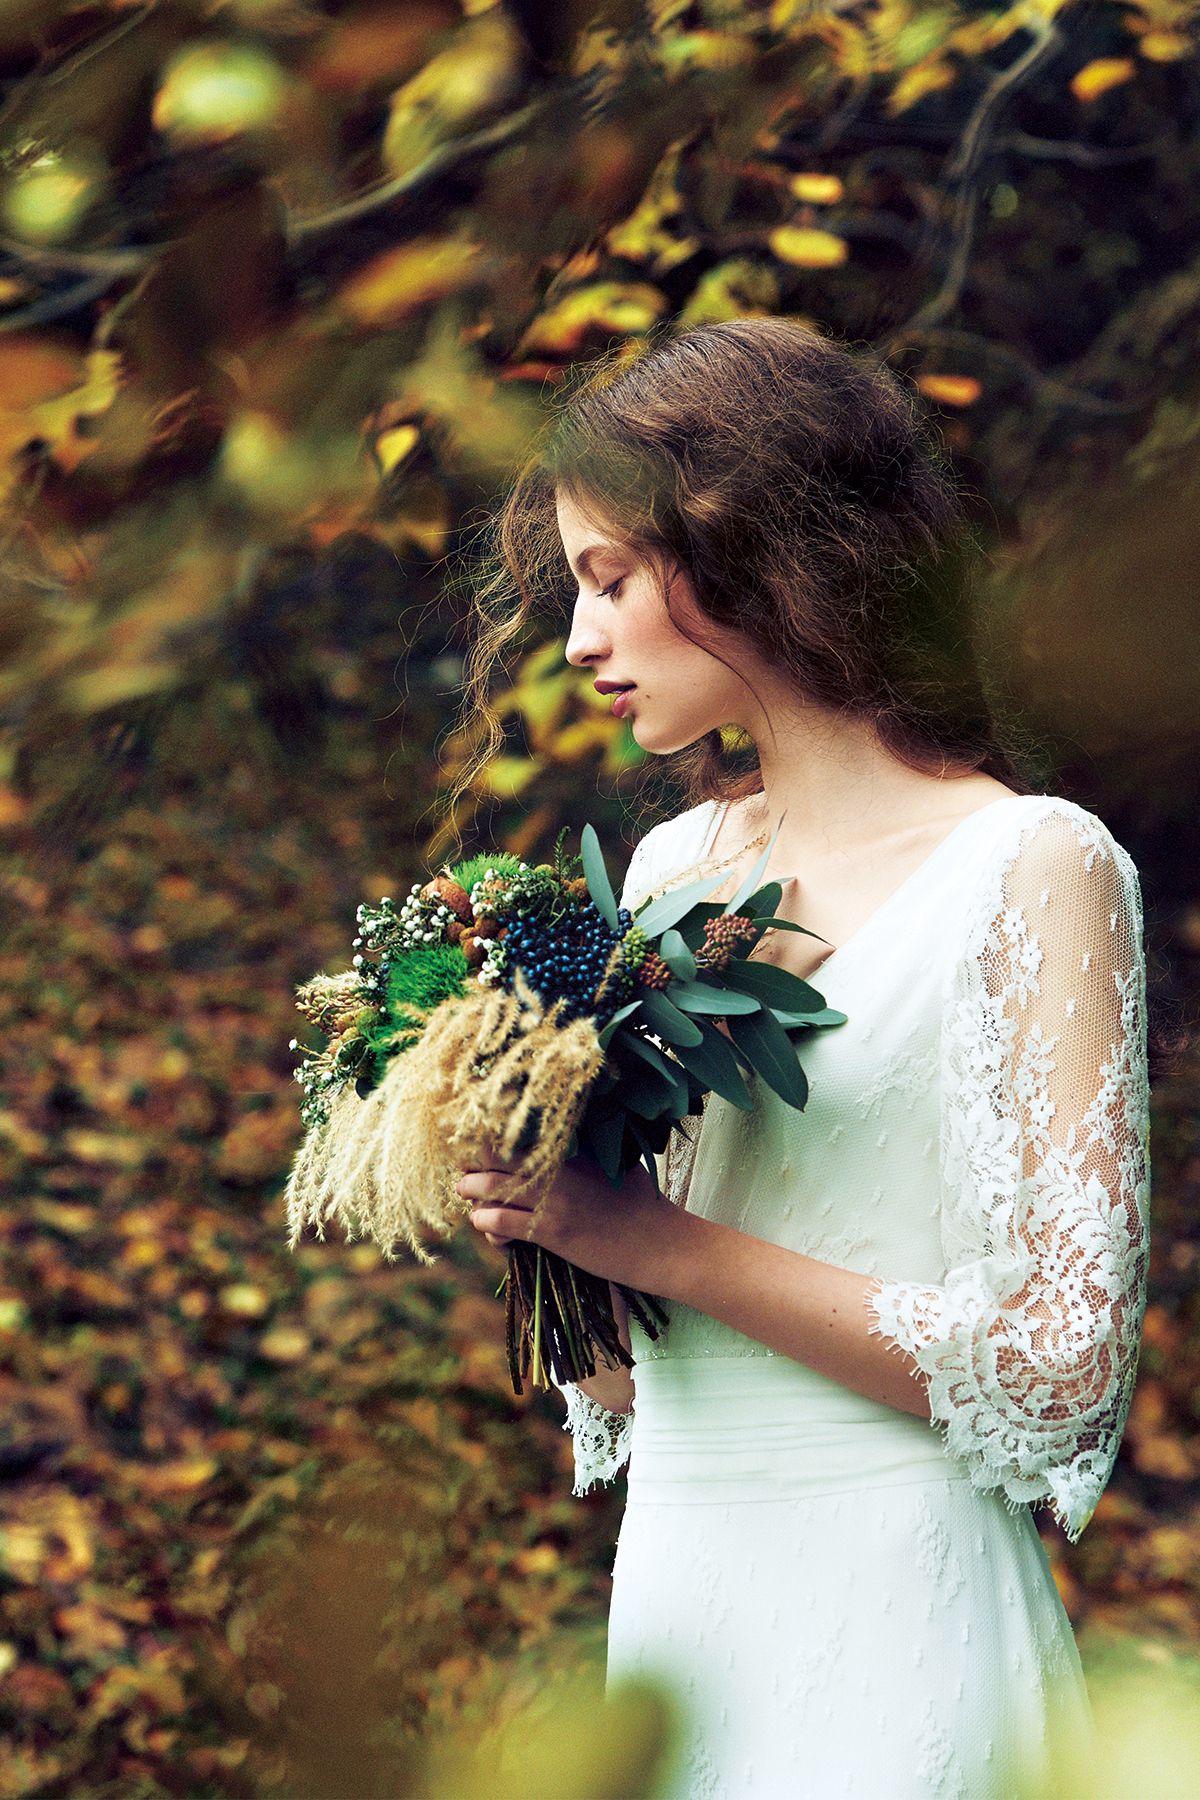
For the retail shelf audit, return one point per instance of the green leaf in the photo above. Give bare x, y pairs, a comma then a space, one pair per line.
596, 875
671, 907
677, 956
604, 1137
827, 1016
750, 885
763, 900
658, 1062
622, 1013
666, 1020
766, 1044
650, 1096
775, 987
790, 925
647, 1150
715, 1064
707, 997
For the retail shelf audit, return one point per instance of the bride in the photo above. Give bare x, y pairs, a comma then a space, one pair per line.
899, 1319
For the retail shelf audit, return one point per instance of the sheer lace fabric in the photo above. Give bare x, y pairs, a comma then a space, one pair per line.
1030, 1343
1033, 1048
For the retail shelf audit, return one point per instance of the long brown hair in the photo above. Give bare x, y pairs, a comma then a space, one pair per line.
797, 483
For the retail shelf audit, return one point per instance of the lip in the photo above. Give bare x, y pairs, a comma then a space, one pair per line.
621, 702
610, 687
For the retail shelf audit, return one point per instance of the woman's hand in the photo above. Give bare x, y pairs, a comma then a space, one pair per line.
628, 1234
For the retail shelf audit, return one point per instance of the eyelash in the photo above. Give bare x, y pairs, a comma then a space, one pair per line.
611, 590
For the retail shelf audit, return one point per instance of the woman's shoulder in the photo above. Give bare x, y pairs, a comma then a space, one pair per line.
1052, 859
1046, 828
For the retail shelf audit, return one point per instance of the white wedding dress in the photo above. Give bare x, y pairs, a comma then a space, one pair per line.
847, 1599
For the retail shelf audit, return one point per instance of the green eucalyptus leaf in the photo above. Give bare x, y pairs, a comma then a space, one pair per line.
763, 1040
605, 1036
774, 986
763, 900
659, 1063
828, 1015
750, 884
674, 905
647, 1150
677, 956
602, 1134
666, 1020
596, 875
715, 1064
707, 997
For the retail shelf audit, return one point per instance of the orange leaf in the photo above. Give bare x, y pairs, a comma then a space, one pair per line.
390, 287
1095, 78
950, 390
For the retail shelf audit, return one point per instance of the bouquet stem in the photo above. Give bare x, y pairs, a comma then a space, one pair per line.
556, 1315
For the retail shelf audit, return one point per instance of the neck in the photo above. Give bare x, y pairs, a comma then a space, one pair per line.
840, 788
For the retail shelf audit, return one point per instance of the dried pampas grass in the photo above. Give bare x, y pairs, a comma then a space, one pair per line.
492, 1072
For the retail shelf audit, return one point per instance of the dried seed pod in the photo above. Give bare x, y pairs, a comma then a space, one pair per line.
474, 947
446, 890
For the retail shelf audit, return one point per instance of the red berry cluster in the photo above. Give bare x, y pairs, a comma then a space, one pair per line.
720, 936
653, 971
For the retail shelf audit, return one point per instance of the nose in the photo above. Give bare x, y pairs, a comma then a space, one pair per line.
586, 639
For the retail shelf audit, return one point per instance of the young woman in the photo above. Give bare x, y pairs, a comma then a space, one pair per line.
903, 1316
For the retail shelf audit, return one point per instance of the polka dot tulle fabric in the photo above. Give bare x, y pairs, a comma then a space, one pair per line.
846, 1598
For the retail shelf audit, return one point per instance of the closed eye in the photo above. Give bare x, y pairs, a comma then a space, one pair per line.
611, 590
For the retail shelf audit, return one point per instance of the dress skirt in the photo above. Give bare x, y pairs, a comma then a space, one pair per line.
833, 1605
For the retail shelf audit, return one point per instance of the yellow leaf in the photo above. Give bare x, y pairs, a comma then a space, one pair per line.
817, 189
391, 447
923, 78
180, 1477
508, 776
603, 307
479, 71
807, 247
1096, 77
215, 90
390, 287
285, 1344
1165, 46
242, 1300
950, 390
581, 738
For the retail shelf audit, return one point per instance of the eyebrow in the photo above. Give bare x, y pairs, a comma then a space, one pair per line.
584, 564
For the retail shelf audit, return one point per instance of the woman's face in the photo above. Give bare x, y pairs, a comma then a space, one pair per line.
621, 631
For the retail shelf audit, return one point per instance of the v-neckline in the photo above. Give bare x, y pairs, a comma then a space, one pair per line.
902, 887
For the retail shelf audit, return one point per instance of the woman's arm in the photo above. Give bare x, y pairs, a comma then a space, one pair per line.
811, 1311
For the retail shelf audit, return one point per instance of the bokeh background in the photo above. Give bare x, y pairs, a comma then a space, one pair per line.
286, 288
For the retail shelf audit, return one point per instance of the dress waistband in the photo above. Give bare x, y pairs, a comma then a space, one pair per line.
769, 1428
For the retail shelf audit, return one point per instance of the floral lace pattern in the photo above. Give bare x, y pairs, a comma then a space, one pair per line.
1030, 1343
601, 1438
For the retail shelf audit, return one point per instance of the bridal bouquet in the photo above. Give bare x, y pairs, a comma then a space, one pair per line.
516, 1009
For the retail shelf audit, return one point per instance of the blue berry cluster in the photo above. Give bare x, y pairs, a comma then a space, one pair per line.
568, 961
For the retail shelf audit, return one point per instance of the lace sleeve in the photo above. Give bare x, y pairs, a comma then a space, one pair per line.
1030, 1344
602, 1438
